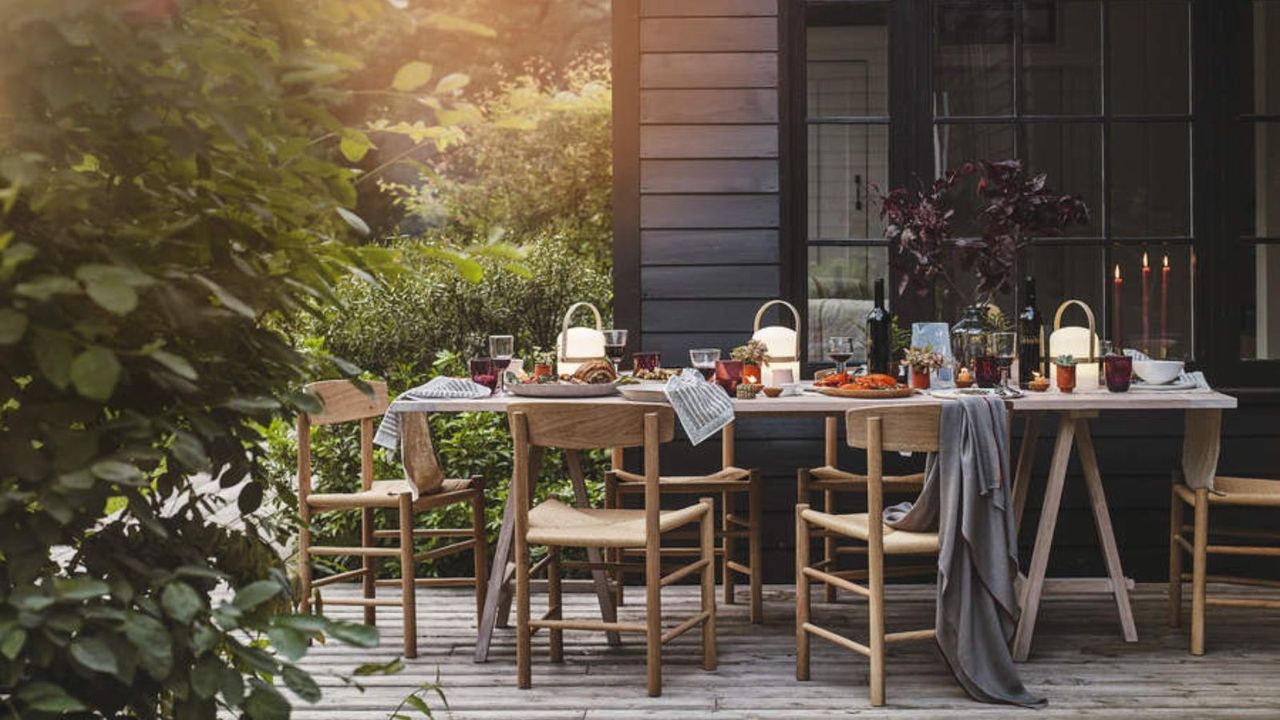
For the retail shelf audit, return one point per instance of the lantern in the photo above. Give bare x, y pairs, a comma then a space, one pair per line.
782, 344
1079, 342
577, 345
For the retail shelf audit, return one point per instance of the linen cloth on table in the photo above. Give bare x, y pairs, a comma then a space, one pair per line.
966, 499
703, 407
408, 430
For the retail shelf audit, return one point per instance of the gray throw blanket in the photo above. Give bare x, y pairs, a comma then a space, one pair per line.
966, 498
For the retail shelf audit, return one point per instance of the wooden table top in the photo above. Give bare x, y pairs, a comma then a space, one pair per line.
815, 404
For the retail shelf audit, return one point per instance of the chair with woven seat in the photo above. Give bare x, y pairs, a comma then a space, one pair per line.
574, 426
830, 481
424, 489
1227, 492
729, 482
907, 428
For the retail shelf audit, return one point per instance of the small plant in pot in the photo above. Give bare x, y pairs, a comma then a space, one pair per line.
1065, 372
544, 363
752, 357
922, 361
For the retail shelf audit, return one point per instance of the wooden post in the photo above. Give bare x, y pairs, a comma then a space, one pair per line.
304, 513
408, 587
481, 550
1199, 561
1175, 555
755, 519
518, 508
726, 546
368, 564
555, 604
802, 594
708, 535
875, 557
652, 556
1106, 534
608, 612
1026, 461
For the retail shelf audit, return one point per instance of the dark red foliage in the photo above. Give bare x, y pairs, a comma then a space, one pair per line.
1014, 207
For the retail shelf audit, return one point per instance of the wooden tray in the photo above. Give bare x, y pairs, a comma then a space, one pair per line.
891, 394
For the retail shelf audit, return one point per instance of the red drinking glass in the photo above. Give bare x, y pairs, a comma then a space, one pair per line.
483, 372
986, 371
729, 375
1119, 372
646, 360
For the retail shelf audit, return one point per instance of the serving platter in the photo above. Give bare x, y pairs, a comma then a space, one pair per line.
648, 392
885, 394
563, 390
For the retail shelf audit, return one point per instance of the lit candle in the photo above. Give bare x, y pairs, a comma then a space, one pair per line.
1164, 308
1117, 333
1146, 304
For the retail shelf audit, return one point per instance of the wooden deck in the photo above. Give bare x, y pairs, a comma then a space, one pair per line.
1079, 662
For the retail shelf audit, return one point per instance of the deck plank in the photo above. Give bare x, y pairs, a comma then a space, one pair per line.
1080, 663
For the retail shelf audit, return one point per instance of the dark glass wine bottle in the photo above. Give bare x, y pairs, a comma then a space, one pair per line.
879, 322
1031, 355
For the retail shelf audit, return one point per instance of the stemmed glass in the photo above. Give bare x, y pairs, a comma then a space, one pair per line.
615, 347
502, 348
1004, 346
840, 349
704, 359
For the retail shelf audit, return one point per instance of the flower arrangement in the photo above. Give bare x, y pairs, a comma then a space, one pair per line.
1014, 206
753, 353
923, 359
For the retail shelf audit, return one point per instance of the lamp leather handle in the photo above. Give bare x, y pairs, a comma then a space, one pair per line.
760, 313
563, 340
1088, 312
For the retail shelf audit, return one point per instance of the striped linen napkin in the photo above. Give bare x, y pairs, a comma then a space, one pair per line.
703, 407
388, 435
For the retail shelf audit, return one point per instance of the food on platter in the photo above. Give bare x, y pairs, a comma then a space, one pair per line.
833, 380
657, 374
592, 372
874, 381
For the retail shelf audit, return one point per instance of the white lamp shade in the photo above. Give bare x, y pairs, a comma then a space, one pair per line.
1076, 342
781, 342
577, 345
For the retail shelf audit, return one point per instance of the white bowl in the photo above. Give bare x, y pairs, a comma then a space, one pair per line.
1158, 372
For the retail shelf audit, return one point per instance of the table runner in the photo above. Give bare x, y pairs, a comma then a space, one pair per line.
966, 498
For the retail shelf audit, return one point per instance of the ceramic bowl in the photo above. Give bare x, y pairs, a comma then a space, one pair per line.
1157, 372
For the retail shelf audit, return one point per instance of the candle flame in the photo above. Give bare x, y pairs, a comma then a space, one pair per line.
1144, 259
1117, 271
1166, 261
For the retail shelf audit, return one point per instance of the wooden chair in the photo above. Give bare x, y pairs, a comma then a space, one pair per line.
729, 483
831, 481
1227, 492
912, 428
427, 490
556, 525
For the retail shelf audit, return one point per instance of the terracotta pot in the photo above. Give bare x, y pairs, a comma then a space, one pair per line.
1066, 375
919, 380
541, 370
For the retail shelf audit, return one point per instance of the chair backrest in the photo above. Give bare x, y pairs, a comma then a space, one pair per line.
344, 402
903, 427
586, 426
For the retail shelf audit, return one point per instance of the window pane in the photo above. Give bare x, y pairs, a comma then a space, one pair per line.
840, 294
1071, 155
1262, 142
1260, 323
1149, 58
1066, 272
958, 144
973, 57
1157, 319
1151, 185
844, 161
1266, 57
1062, 51
848, 61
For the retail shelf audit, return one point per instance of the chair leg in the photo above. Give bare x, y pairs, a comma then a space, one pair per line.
304, 562
612, 499
707, 525
367, 563
802, 594
1175, 560
875, 577
829, 546
653, 612
407, 586
1198, 571
755, 518
524, 670
480, 551
554, 604
726, 546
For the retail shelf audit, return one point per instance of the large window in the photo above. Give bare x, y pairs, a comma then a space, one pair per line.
1123, 102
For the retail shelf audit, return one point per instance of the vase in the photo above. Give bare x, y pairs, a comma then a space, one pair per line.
1066, 375
969, 337
919, 379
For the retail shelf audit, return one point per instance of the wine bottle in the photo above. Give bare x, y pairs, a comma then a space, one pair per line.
879, 321
1031, 353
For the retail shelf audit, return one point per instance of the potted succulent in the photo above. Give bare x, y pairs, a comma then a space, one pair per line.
922, 361
544, 363
1066, 372
752, 357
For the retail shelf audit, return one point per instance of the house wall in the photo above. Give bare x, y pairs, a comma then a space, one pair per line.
698, 248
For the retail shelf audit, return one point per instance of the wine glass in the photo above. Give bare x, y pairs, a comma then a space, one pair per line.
1004, 346
840, 349
501, 348
704, 359
615, 346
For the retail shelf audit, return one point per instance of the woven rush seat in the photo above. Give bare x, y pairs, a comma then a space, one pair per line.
892, 483
386, 493
896, 542
727, 476
554, 523
1236, 491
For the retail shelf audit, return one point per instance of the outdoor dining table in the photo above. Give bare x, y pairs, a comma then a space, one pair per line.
1073, 411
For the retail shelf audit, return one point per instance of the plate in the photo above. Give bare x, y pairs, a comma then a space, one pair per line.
890, 394
1174, 386
644, 392
563, 390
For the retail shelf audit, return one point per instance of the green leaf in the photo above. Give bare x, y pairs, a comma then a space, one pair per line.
12, 643
206, 676
176, 364
181, 602
308, 624
355, 221
250, 498
388, 668
453, 23
155, 647
301, 683
96, 273
411, 76
13, 325
356, 634
94, 654
80, 588
46, 286
95, 372
289, 643
113, 297
355, 145
53, 357
452, 82
117, 472
420, 704
47, 697
231, 302
256, 593
189, 451
266, 703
